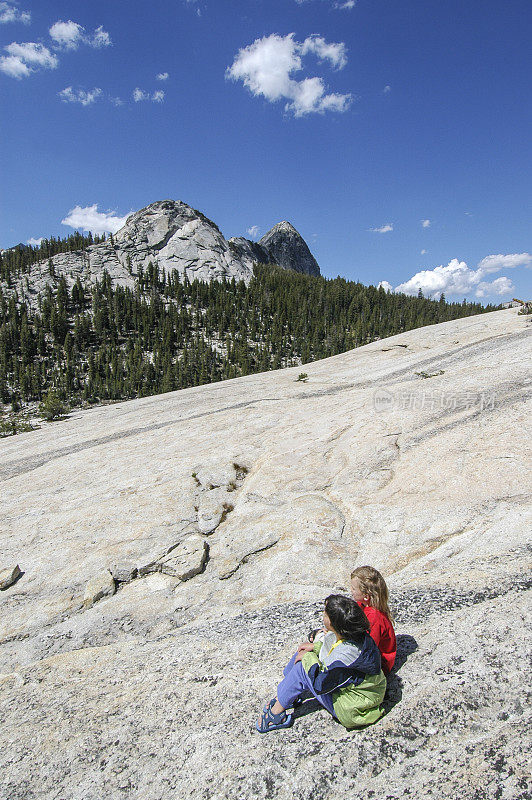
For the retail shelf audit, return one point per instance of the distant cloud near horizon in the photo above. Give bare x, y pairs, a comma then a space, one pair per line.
496, 262
457, 279
35, 242
10, 13
266, 66
88, 218
383, 229
253, 231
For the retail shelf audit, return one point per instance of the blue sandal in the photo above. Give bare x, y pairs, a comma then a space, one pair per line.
272, 722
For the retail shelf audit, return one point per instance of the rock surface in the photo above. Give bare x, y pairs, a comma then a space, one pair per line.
176, 237
289, 249
212, 507
8, 576
100, 586
187, 560
251, 251
153, 692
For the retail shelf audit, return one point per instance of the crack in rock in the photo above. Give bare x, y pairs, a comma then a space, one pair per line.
307, 520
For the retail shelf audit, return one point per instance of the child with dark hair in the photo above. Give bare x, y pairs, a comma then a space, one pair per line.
342, 671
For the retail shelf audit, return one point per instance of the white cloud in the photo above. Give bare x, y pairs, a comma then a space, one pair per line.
69, 35
387, 89
500, 286
383, 229
23, 58
335, 52
70, 95
266, 68
386, 286
100, 38
341, 4
116, 101
457, 279
14, 67
253, 231
194, 4
162, 76
139, 95
88, 218
35, 242
423, 252
9, 13
26, 57
32, 53
425, 223
497, 262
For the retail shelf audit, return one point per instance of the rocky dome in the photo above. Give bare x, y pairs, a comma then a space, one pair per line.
288, 249
173, 550
177, 237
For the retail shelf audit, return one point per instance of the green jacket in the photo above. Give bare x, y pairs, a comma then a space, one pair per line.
356, 694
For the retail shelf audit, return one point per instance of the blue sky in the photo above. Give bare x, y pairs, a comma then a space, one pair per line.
394, 136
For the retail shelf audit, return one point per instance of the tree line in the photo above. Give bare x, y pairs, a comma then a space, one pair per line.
110, 342
18, 260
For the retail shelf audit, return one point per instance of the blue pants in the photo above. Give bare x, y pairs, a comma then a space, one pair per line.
295, 683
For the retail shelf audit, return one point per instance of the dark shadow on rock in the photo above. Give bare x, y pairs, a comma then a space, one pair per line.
406, 645
307, 707
394, 692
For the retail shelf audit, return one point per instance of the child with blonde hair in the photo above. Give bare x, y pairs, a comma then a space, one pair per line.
369, 590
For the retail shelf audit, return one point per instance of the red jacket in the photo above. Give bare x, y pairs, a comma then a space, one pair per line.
383, 634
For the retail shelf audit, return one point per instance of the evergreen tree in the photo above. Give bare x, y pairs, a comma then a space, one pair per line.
168, 333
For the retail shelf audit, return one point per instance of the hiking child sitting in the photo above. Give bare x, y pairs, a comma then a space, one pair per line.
369, 590
342, 671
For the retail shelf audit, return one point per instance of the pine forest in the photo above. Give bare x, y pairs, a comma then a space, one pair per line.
109, 343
